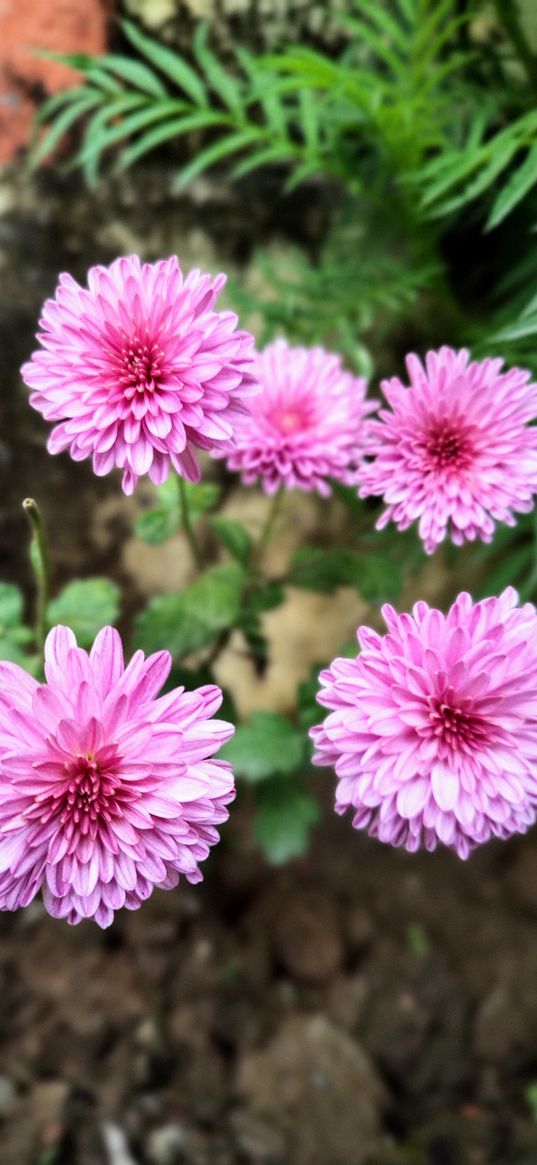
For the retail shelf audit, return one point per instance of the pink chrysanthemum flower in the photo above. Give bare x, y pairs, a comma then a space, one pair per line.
139, 369
105, 791
433, 728
305, 426
455, 452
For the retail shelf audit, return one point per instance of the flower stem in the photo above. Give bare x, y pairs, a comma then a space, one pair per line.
267, 528
186, 524
39, 558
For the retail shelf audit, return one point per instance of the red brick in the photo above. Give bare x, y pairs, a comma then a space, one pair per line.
63, 26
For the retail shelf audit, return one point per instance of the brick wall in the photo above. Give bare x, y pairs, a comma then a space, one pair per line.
30, 25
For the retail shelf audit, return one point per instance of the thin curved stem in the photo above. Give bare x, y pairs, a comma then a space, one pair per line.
186, 524
39, 557
267, 528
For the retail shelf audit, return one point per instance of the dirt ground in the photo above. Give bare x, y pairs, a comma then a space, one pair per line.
359, 1006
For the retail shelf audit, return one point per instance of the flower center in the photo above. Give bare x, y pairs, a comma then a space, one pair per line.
141, 365
457, 727
290, 421
447, 446
89, 795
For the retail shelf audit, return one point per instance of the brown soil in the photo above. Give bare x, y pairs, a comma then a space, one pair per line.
359, 1006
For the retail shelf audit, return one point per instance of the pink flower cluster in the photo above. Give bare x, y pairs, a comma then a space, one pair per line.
139, 370
306, 425
456, 452
105, 790
432, 728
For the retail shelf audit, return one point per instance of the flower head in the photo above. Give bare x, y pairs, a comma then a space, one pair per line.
139, 369
105, 791
433, 728
455, 452
305, 426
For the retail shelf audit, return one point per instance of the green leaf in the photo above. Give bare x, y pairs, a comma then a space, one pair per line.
286, 812
13, 633
323, 570
234, 537
135, 72
159, 523
191, 620
168, 62
11, 606
526, 326
214, 153
523, 179
85, 605
155, 526
223, 84
270, 744
63, 122
171, 128
309, 712
99, 137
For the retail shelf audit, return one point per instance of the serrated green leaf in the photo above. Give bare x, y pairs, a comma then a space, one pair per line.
234, 537
155, 526
268, 595
168, 62
286, 812
191, 620
270, 744
85, 605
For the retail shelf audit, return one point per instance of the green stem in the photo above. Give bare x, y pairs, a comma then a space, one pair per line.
186, 523
39, 558
267, 528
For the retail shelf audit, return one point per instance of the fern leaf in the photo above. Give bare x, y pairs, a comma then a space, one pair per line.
167, 62
521, 182
214, 153
225, 86
135, 72
175, 128
63, 122
100, 137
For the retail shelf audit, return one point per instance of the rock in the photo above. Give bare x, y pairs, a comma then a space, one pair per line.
116, 1145
318, 1089
254, 22
7, 1096
346, 1001
165, 1145
260, 1142
307, 939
